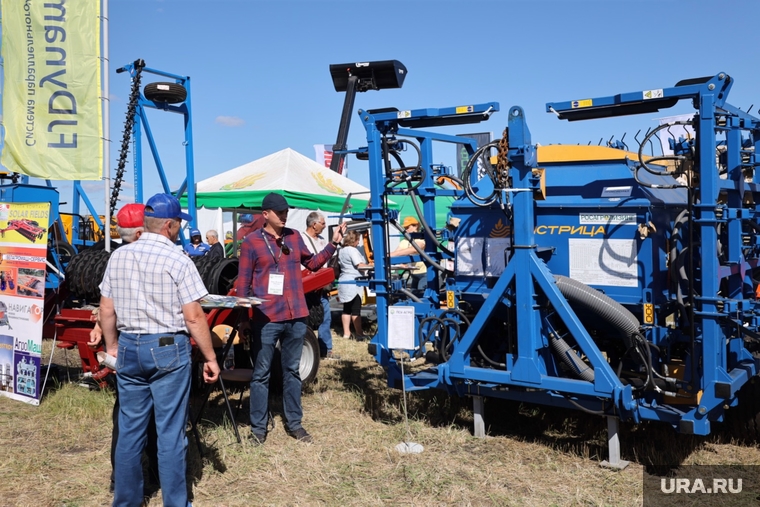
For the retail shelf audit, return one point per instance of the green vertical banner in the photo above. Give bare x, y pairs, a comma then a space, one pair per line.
51, 101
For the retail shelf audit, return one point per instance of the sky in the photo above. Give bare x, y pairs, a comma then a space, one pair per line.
260, 78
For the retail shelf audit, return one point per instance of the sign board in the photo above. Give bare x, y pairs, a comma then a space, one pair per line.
23, 251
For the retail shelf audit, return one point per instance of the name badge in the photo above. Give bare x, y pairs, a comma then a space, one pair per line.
276, 284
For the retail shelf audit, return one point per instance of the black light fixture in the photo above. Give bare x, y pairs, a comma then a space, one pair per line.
360, 77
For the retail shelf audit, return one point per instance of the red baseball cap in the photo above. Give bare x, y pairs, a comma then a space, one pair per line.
131, 215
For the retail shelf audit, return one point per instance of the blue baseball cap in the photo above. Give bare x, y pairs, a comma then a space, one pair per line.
194, 232
165, 206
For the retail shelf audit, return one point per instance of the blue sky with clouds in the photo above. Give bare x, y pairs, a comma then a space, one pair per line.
260, 78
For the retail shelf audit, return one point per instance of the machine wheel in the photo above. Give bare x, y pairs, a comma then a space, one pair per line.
85, 272
169, 93
309, 357
63, 250
307, 369
204, 264
222, 277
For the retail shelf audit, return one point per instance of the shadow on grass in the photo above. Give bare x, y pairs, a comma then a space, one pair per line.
655, 445
382, 403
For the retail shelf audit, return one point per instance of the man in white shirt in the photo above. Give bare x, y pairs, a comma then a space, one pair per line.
315, 242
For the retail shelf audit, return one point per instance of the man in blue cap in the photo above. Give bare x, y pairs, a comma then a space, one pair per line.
149, 310
196, 247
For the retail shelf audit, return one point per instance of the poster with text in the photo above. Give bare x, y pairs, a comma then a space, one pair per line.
23, 251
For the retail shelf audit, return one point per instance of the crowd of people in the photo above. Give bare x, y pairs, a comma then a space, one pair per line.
150, 310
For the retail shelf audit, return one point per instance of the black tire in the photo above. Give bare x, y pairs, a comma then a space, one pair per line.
73, 271
167, 93
222, 277
85, 272
308, 368
204, 264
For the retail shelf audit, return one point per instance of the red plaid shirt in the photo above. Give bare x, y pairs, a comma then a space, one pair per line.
257, 261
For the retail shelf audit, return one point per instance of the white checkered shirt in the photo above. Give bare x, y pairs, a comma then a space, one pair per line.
149, 281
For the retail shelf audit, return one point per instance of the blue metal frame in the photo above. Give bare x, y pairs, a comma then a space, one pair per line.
23, 192
142, 125
525, 298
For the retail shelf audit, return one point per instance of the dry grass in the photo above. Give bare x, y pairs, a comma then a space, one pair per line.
58, 453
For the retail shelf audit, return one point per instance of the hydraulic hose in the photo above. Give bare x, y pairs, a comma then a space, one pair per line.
420, 251
428, 231
471, 195
581, 296
677, 158
570, 358
410, 296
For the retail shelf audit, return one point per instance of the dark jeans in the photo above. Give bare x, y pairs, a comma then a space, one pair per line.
265, 335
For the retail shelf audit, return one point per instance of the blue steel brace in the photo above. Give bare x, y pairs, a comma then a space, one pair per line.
523, 272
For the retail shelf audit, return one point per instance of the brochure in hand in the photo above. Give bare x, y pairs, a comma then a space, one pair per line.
217, 301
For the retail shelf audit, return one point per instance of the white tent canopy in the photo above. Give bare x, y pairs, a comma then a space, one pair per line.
302, 181
307, 185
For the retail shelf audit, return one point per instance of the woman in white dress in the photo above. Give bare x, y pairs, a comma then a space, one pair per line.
349, 294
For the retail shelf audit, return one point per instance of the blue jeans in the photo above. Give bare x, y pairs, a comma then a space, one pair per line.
323, 333
152, 379
265, 336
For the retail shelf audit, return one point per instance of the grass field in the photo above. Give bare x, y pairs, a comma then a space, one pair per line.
58, 453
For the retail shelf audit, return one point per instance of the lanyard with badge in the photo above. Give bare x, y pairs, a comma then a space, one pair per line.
276, 279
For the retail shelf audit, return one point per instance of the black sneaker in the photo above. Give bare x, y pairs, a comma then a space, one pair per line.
258, 439
301, 435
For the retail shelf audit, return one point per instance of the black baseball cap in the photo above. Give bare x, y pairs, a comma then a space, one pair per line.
275, 202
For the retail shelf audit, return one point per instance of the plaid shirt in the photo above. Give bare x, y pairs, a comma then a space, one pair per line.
149, 281
257, 261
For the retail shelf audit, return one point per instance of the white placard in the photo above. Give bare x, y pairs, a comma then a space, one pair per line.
497, 250
607, 218
604, 261
470, 256
401, 327
617, 191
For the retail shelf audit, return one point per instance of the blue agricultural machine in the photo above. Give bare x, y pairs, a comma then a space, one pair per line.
594, 278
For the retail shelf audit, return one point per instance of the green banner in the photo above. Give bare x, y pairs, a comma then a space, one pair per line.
51, 101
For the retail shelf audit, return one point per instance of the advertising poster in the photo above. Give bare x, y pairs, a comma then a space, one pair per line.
23, 250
